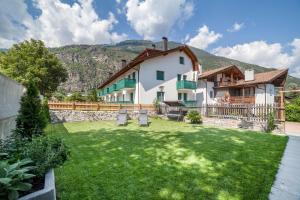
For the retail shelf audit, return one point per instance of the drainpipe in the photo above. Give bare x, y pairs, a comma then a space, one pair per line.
265, 95
138, 86
206, 113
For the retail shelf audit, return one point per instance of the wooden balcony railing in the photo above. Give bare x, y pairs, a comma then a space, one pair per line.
241, 99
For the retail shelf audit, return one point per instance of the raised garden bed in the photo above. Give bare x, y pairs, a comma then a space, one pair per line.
47, 193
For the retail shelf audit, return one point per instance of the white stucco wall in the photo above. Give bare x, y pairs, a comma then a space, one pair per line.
202, 94
149, 86
10, 95
262, 96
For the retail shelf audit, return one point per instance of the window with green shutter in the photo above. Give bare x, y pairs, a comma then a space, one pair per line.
178, 77
179, 96
181, 60
160, 75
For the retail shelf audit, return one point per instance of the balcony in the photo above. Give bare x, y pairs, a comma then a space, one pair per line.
111, 88
190, 103
242, 100
188, 85
125, 83
225, 83
102, 92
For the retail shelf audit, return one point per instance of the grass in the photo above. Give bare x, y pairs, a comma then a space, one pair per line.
167, 160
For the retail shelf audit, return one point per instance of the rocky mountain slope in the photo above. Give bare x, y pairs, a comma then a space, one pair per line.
89, 65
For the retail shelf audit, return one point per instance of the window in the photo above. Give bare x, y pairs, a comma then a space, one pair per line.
160, 75
181, 60
211, 94
184, 77
160, 96
179, 96
129, 76
178, 77
133, 75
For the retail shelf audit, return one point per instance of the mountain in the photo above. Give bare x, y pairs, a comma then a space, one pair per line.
89, 65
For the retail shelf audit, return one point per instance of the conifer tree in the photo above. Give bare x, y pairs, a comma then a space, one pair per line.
31, 119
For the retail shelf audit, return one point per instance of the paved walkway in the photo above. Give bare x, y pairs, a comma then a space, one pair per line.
287, 184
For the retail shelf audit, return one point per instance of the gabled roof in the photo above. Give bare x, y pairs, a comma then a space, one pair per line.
267, 77
214, 72
149, 54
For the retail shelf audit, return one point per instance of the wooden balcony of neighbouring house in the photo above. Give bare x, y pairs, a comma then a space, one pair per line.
242, 99
225, 83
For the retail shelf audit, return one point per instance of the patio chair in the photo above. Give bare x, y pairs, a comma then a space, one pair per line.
143, 118
122, 117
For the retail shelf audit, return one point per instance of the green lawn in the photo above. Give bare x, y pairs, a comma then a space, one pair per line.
167, 160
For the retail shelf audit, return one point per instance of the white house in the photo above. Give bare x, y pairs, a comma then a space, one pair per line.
175, 75
165, 75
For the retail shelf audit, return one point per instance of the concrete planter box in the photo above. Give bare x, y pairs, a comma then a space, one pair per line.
48, 193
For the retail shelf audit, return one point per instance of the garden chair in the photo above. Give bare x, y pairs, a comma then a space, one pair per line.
122, 117
143, 118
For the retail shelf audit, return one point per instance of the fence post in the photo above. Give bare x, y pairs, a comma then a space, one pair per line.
73, 106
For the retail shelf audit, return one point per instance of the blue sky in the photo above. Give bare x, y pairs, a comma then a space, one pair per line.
264, 32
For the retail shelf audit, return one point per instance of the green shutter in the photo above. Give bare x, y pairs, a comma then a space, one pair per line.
160, 75
179, 96
181, 60
178, 77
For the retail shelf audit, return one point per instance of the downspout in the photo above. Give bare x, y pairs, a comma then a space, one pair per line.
265, 95
206, 112
138, 87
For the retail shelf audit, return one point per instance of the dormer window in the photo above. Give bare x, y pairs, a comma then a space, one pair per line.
181, 60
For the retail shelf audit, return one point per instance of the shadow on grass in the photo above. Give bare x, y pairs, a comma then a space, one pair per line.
205, 163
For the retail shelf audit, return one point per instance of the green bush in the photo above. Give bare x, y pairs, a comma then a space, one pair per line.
45, 109
270, 123
31, 119
46, 153
194, 117
13, 178
292, 112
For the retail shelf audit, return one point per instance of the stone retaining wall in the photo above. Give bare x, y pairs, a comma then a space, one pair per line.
76, 115
234, 123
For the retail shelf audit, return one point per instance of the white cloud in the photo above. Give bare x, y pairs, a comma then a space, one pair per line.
204, 38
264, 54
59, 24
154, 18
118, 1
236, 27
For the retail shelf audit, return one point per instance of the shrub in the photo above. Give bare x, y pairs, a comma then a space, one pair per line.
46, 153
13, 178
30, 120
270, 123
45, 109
194, 117
292, 110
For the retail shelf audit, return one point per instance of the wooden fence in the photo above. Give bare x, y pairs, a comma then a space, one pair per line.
250, 112
95, 106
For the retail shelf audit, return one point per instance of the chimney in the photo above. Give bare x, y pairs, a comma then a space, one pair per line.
153, 46
249, 75
165, 43
123, 63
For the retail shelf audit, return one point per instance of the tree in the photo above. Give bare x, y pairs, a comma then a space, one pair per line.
76, 96
92, 96
31, 60
45, 109
31, 119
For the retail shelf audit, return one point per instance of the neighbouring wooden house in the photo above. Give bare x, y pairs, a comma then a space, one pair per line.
230, 85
